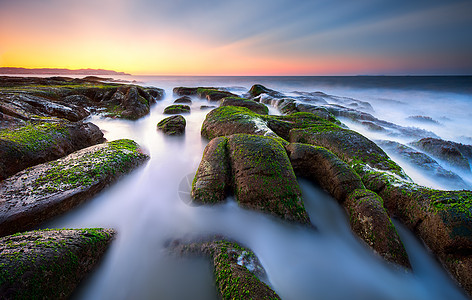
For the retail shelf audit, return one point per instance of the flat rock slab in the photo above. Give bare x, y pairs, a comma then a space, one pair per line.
36, 143
254, 106
49, 264
36, 194
236, 269
174, 125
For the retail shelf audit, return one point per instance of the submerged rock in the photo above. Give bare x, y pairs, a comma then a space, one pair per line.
36, 194
25, 146
49, 264
258, 108
235, 268
444, 150
370, 221
177, 109
423, 119
183, 100
174, 125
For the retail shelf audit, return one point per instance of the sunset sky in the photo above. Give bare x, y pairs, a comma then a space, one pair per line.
239, 37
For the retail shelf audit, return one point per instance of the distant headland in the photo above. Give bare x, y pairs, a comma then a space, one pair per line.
12, 70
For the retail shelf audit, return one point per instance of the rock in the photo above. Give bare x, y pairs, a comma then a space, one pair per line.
442, 219
177, 109
423, 119
49, 264
134, 104
258, 108
36, 194
184, 100
213, 178
174, 125
259, 89
423, 162
212, 94
263, 177
235, 268
25, 146
202, 107
324, 168
185, 91
370, 221
445, 151
350, 146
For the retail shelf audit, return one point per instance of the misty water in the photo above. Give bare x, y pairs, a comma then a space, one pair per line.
150, 207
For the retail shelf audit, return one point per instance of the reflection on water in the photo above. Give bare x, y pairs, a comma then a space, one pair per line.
149, 207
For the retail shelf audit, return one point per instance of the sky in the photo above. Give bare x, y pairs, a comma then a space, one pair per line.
240, 37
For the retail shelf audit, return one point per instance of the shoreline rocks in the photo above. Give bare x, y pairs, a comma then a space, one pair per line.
177, 109
173, 125
38, 193
49, 264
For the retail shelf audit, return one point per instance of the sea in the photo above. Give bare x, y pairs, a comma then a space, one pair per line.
151, 207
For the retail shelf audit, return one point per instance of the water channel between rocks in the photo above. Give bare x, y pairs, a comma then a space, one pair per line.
150, 207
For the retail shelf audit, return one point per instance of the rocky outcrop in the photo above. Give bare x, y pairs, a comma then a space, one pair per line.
212, 94
259, 89
174, 125
183, 100
32, 144
177, 109
49, 264
236, 269
445, 151
258, 108
370, 221
185, 91
262, 177
41, 192
423, 162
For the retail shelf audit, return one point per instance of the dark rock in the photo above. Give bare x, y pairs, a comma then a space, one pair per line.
258, 89
423, 119
372, 126
423, 162
49, 264
235, 268
135, 106
177, 109
212, 94
320, 98
263, 177
445, 151
213, 178
323, 167
174, 125
258, 108
207, 107
41, 192
26, 146
185, 91
370, 221
183, 100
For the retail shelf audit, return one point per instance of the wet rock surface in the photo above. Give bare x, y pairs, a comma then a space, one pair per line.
49, 264
36, 194
36, 143
177, 109
258, 108
174, 125
236, 269
183, 100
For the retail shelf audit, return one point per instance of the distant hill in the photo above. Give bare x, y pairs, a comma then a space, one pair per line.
11, 70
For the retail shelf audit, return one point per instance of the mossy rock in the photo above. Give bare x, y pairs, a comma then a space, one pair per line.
177, 109
213, 94
264, 178
36, 143
258, 89
258, 108
236, 269
370, 221
183, 100
49, 264
213, 178
39, 193
174, 125
185, 91
324, 168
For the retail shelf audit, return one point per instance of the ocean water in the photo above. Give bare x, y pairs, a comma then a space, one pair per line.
150, 207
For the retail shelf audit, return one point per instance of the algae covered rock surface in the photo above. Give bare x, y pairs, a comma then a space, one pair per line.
49, 264
174, 125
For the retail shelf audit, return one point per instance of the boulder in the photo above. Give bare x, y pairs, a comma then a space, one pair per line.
259, 89
264, 178
213, 94
25, 146
258, 108
236, 269
174, 125
49, 264
213, 178
39, 193
445, 151
185, 91
370, 221
324, 168
183, 100
177, 109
